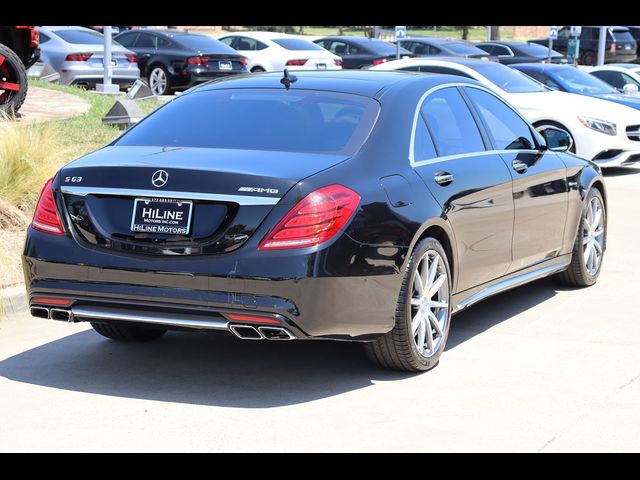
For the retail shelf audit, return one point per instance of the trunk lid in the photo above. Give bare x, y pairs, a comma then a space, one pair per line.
228, 194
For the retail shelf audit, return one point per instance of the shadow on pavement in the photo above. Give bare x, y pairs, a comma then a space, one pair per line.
220, 370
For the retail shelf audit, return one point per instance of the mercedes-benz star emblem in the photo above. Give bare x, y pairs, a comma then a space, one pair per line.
159, 178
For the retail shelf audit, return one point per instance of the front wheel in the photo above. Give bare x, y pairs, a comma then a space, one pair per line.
589, 245
423, 313
13, 81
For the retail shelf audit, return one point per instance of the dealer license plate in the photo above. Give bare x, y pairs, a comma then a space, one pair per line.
161, 215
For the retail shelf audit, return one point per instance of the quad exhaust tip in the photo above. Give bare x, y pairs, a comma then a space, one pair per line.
249, 332
61, 315
40, 312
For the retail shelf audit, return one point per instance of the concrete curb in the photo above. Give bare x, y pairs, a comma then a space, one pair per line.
14, 300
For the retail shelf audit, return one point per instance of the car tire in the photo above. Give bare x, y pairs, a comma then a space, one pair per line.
159, 81
589, 242
588, 58
127, 333
399, 348
12, 71
257, 70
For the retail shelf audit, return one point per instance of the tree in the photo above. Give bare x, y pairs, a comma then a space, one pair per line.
495, 33
465, 32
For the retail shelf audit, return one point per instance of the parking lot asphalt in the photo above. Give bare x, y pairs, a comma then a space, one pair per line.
540, 368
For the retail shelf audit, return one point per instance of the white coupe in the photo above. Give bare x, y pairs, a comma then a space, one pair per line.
602, 131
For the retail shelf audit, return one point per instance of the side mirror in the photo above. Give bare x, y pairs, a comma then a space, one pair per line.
556, 139
630, 89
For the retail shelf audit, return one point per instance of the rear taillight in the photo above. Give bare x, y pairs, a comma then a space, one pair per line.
244, 61
378, 61
45, 218
197, 60
78, 57
338, 63
132, 58
297, 62
315, 219
34, 38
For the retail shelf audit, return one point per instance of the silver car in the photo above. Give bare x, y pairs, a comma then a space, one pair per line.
77, 53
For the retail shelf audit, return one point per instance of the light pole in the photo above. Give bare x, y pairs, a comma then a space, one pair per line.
601, 44
106, 86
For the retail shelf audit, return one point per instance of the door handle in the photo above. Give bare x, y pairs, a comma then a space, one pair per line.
519, 166
146, 55
443, 178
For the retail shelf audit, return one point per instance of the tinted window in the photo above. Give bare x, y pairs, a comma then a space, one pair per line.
538, 51
581, 82
340, 48
452, 126
564, 33
202, 43
506, 78
445, 70
464, 49
162, 42
379, 47
622, 36
423, 148
228, 40
127, 39
43, 38
297, 44
616, 79
246, 43
303, 121
487, 48
414, 68
506, 128
145, 41
500, 50
544, 79
322, 43
88, 37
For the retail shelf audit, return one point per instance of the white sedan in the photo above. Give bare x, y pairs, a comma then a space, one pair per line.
270, 51
623, 76
602, 131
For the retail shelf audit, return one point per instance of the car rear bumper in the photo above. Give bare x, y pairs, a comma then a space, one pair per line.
616, 158
77, 74
295, 288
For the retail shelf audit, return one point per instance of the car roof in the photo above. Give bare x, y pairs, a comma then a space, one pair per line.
259, 35
169, 32
508, 43
358, 82
438, 40
54, 28
629, 66
352, 38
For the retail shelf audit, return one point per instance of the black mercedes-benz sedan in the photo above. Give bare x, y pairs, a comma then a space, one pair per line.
177, 59
348, 205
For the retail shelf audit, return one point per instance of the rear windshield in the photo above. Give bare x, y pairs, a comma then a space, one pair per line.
581, 82
297, 44
621, 35
264, 119
382, 48
464, 49
203, 44
81, 37
506, 78
536, 50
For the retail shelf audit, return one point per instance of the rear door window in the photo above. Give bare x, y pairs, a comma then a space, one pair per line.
453, 127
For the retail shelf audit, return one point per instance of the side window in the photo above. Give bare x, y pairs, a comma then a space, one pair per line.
322, 43
434, 50
339, 48
353, 50
227, 40
564, 33
500, 50
490, 49
628, 79
612, 78
260, 45
506, 128
127, 40
453, 128
445, 70
162, 42
145, 41
245, 43
423, 148
413, 68
544, 79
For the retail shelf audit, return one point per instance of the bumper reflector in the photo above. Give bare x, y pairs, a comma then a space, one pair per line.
248, 318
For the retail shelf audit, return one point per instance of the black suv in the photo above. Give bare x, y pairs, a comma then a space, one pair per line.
18, 51
620, 46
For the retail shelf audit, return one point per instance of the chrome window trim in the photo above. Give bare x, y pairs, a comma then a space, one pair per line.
428, 161
126, 192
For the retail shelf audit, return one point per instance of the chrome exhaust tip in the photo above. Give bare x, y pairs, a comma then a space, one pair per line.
40, 312
246, 332
61, 315
276, 333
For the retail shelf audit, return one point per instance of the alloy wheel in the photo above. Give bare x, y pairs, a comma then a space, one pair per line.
158, 81
9, 81
593, 235
429, 303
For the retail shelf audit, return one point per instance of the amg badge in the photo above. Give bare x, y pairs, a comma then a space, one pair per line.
258, 190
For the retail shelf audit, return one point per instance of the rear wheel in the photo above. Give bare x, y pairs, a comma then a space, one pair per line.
423, 314
588, 249
127, 333
588, 58
257, 70
159, 80
13, 81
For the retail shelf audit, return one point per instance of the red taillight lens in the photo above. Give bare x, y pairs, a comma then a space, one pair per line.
35, 38
249, 318
338, 63
197, 60
60, 302
78, 57
315, 219
244, 61
45, 218
131, 58
297, 62
378, 61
